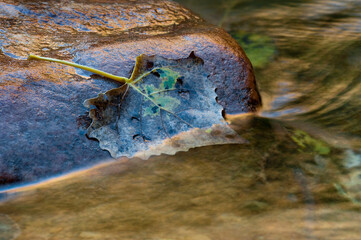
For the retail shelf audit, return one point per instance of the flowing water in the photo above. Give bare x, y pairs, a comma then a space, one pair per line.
299, 176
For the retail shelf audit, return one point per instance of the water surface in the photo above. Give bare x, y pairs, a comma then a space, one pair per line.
299, 177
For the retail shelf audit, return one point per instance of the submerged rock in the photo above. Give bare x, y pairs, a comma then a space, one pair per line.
43, 120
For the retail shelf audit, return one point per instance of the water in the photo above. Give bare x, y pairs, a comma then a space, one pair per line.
298, 178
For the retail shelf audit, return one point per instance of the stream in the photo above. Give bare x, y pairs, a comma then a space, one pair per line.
298, 177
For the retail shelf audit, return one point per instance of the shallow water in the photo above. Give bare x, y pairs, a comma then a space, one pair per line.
299, 177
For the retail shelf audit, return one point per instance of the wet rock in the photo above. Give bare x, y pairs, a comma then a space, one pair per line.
43, 120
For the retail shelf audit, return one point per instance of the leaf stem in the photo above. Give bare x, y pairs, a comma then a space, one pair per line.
93, 70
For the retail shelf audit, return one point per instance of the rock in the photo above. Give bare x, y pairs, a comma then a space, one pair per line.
43, 120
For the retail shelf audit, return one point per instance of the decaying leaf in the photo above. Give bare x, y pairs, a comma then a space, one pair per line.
162, 99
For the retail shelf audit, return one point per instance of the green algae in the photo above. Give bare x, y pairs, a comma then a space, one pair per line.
259, 48
304, 141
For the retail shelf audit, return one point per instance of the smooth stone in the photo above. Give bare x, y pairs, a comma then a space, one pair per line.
43, 120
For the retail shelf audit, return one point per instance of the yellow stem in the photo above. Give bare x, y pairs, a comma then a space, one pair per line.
93, 70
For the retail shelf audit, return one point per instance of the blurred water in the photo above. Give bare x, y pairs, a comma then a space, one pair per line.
298, 178
314, 72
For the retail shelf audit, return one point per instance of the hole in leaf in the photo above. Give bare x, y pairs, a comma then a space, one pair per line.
180, 91
156, 73
180, 80
155, 109
144, 138
150, 65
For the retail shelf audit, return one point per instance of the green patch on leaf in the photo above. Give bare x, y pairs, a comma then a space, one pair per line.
259, 48
167, 102
169, 78
159, 95
209, 130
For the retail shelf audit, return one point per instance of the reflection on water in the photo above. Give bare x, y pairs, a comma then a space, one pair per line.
299, 177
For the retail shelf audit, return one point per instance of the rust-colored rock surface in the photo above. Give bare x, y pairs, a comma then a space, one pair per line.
43, 120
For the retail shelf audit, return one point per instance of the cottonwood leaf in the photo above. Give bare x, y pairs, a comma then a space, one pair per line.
165, 98
153, 109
